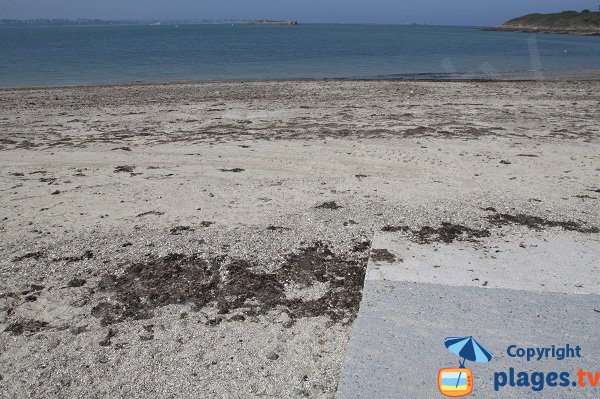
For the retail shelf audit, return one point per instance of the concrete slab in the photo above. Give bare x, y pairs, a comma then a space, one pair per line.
567, 263
397, 345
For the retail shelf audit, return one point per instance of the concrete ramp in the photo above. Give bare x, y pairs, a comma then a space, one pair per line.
535, 293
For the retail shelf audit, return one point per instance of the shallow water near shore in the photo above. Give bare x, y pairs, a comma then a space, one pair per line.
125, 54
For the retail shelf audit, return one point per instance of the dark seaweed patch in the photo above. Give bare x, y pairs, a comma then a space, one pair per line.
234, 286
537, 223
448, 233
276, 228
174, 279
393, 229
70, 259
255, 292
344, 275
157, 213
29, 255
124, 169
107, 341
234, 170
329, 205
76, 283
23, 326
33, 288
178, 229
382, 255
361, 246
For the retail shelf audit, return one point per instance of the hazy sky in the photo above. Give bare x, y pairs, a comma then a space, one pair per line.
448, 12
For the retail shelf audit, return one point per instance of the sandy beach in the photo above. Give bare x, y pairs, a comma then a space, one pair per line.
211, 239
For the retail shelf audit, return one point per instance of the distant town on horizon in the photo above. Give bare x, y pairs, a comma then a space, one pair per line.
535, 21
104, 22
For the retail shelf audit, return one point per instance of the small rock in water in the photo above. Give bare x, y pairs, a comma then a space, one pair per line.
272, 356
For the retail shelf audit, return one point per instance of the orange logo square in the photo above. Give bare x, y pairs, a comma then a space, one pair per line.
455, 382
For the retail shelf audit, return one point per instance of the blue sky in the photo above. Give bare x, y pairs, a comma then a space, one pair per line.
444, 12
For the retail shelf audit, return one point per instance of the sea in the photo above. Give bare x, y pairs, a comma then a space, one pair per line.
88, 55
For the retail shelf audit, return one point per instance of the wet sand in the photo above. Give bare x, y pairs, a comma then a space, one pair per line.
211, 239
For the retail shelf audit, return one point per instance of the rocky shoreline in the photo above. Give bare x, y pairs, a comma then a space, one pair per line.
584, 23
543, 29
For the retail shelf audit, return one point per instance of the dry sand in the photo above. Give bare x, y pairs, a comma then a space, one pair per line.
210, 240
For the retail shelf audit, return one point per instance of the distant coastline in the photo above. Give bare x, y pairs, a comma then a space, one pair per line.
286, 22
132, 22
586, 23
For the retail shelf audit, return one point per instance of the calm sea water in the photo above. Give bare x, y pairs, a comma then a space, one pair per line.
91, 55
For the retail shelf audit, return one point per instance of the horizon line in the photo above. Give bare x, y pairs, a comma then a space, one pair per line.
201, 21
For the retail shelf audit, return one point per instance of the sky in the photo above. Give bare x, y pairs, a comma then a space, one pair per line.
439, 12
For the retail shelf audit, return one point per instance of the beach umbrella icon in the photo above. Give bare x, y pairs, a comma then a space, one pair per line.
468, 349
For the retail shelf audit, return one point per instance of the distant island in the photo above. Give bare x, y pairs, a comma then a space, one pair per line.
273, 22
568, 22
127, 22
